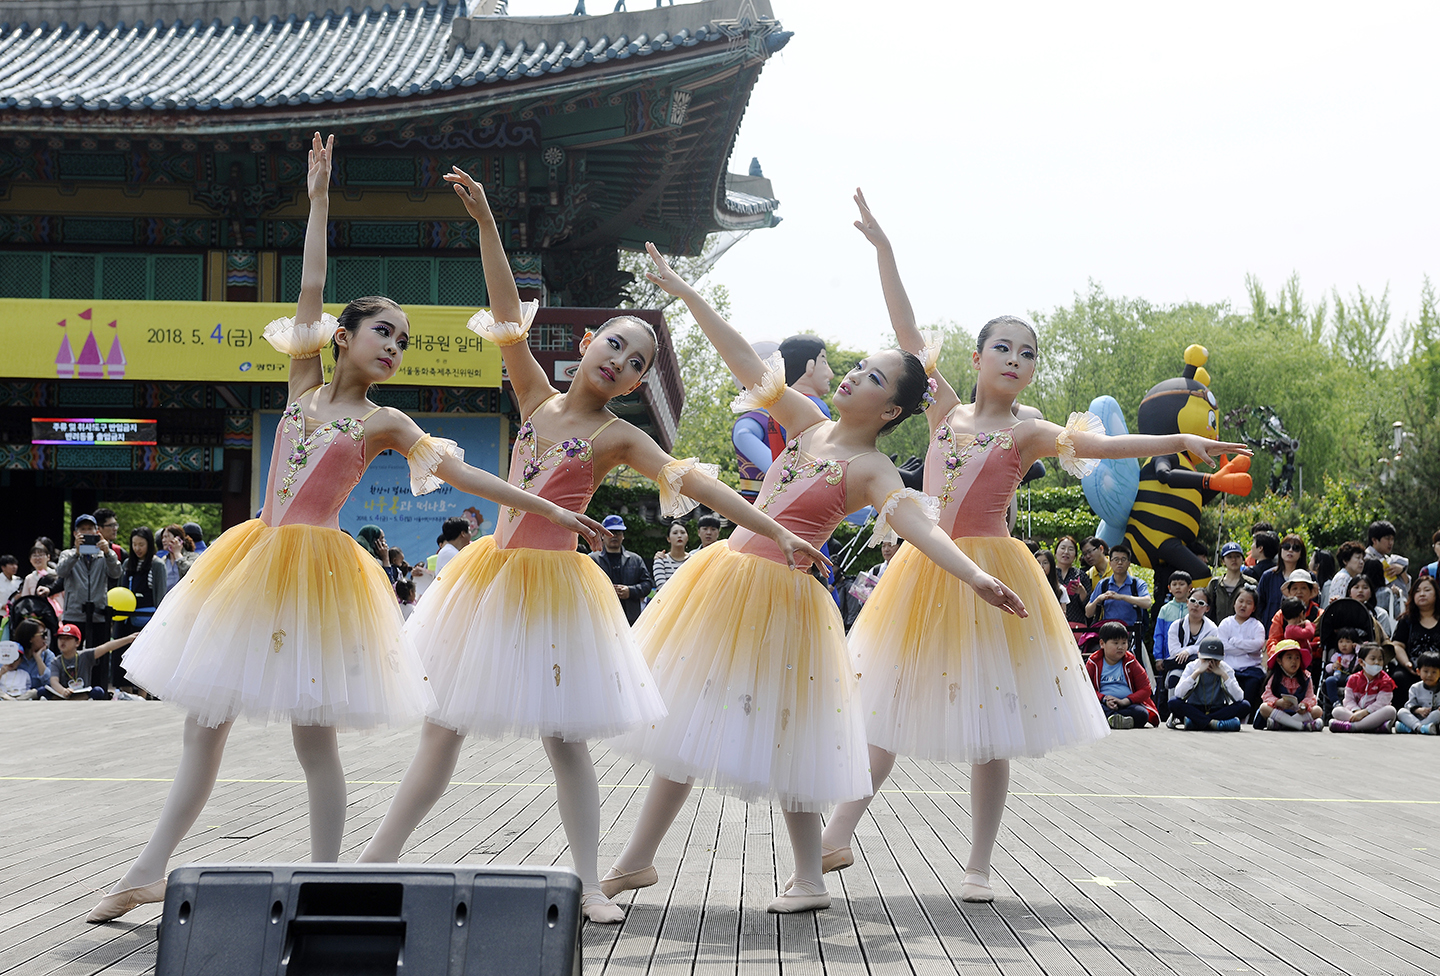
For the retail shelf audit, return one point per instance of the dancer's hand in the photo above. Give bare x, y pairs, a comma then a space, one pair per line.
790, 544
997, 594
665, 277
593, 532
470, 192
322, 154
867, 224
1205, 449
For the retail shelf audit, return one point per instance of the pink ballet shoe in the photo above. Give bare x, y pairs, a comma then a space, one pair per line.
117, 903
976, 887
616, 881
837, 860
599, 909
799, 896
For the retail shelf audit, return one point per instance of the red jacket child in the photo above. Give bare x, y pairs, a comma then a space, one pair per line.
1135, 676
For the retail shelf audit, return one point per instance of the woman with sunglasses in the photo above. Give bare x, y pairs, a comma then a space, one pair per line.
1292, 557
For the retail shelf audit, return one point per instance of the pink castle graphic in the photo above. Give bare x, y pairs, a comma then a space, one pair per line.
65, 358
89, 365
115, 360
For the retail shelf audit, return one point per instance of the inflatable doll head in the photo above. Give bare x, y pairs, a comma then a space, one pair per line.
1183, 405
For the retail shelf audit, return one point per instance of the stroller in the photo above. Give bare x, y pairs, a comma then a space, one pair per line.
1340, 614
38, 607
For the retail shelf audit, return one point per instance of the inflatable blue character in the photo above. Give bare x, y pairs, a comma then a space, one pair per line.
758, 439
1156, 509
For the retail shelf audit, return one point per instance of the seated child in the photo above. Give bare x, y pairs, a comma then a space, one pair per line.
33, 664
1208, 696
1422, 709
1297, 628
1368, 696
1287, 699
1343, 662
1172, 611
70, 673
1120, 680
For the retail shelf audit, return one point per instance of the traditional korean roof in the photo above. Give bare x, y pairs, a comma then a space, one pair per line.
352, 55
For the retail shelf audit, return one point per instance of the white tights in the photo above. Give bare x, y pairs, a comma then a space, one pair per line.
1383, 715
319, 755
662, 805
577, 796
989, 788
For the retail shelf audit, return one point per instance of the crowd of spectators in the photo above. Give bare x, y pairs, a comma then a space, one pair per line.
1279, 637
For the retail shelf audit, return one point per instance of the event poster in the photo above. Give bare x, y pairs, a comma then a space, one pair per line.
213, 341
383, 496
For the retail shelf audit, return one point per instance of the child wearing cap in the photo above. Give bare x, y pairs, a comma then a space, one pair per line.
1208, 696
1222, 590
1288, 695
1368, 705
71, 671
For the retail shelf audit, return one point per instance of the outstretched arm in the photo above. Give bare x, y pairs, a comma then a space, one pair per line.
897, 303
115, 644
527, 377
306, 371
433, 460
645, 456
793, 410
1041, 439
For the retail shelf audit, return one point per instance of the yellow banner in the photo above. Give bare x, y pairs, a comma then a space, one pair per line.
212, 342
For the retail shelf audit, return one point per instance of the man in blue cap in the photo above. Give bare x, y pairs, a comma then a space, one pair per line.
88, 570
627, 571
1223, 589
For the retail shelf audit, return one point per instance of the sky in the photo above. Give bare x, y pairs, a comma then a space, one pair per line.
1015, 152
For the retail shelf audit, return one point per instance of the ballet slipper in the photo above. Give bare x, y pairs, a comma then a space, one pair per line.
799, 896
117, 903
976, 887
836, 860
616, 881
599, 909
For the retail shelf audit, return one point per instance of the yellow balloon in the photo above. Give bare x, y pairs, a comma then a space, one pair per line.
122, 601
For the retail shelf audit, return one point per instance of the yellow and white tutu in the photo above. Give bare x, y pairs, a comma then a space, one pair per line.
751, 659
531, 642
293, 623
947, 677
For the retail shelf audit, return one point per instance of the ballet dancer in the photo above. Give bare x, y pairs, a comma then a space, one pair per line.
762, 698
286, 617
944, 678
521, 634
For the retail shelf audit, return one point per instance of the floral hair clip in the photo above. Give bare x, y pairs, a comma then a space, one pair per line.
928, 397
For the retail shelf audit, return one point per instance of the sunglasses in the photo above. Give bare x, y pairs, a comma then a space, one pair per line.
1198, 603
1292, 546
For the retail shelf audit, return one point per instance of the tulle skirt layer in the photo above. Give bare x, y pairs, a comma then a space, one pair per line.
945, 676
531, 642
294, 623
751, 659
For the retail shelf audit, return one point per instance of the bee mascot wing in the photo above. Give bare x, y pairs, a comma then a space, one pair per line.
1111, 487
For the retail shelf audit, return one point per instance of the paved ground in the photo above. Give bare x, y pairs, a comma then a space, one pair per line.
1152, 852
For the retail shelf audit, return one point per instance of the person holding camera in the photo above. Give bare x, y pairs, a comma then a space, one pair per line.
1208, 696
88, 571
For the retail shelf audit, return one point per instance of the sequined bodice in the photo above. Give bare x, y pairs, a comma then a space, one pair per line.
564, 473
806, 494
311, 474
974, 476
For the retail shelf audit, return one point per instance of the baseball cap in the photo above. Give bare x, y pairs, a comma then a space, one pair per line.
1230, 547
69, 630
1212, 648
86, 519
614, 523
192, 529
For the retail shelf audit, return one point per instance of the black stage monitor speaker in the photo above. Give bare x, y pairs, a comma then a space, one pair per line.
369, 919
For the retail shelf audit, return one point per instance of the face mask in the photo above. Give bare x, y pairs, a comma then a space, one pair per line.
1372, 669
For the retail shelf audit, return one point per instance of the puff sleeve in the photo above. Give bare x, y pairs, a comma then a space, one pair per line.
1085, 422
929, 507
767, 391
301, 340
425, 456
672, 502
483, 324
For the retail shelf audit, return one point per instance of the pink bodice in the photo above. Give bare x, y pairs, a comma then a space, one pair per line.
805, 494
312, 475
564, 473
974, 476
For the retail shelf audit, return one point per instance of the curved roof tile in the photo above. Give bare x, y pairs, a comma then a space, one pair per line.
375, 52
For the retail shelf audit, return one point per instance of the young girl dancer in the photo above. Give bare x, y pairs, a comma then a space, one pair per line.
762, 699
320, 643
520, 633
944, 678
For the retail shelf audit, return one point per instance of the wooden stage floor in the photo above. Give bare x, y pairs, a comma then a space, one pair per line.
1152, 852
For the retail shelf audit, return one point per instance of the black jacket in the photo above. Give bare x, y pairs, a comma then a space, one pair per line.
628, 570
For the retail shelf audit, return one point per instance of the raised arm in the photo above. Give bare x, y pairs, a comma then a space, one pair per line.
911, 515
509, 323
684, 483
434, 460
1084, 437
306, 370
902, 315
792, 410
